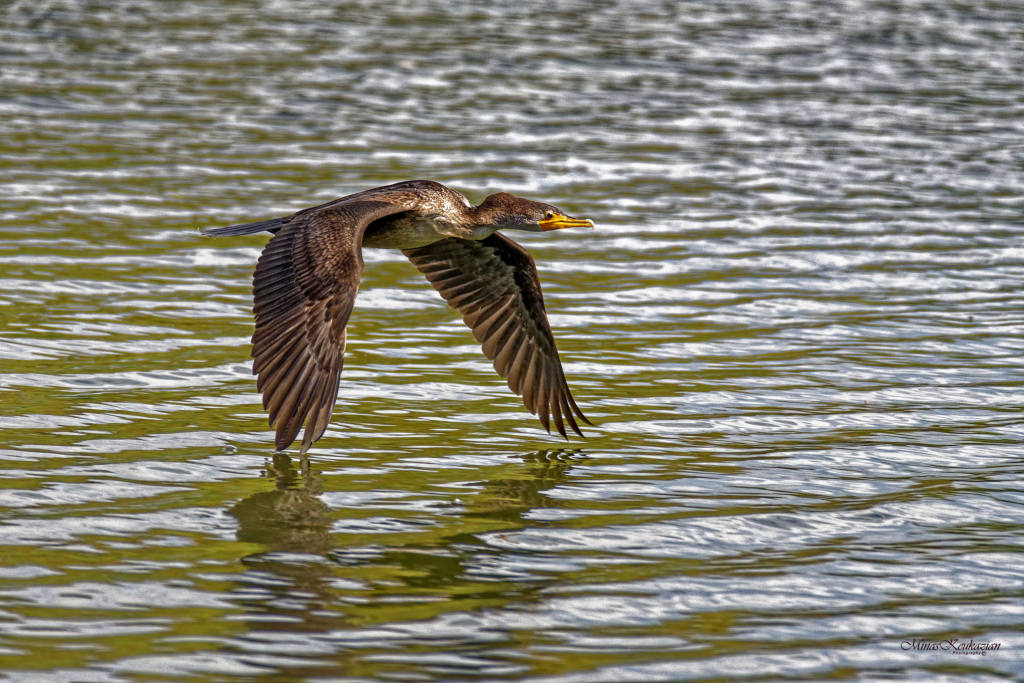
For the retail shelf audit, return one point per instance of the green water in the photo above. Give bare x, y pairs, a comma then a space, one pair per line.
798, 329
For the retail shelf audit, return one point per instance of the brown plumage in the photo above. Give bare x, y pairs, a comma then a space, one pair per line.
307, 277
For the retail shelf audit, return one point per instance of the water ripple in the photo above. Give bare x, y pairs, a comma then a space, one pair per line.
797, 327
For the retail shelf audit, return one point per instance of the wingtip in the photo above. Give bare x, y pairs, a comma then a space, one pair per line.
282, 441
575, 428
558, 425
307, 441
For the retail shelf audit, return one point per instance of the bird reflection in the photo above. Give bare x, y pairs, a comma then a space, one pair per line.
290, 518
510, 498
289, 582
304, 579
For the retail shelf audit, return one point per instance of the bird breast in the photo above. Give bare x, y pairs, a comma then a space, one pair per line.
403, 231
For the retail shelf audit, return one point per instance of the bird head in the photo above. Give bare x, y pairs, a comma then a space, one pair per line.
508, 212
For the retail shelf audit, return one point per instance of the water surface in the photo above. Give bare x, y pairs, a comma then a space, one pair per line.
798, 328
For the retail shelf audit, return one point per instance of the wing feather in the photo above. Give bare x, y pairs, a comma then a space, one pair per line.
304, 288
493, 283
305, 285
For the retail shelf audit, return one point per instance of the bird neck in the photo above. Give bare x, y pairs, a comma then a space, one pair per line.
481, 215
481, 221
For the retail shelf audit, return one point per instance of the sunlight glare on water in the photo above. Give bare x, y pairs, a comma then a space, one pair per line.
797, 327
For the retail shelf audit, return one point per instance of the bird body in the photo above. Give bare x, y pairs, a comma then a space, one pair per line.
307, 277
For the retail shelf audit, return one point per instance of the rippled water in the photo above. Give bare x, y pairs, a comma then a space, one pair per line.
798, 327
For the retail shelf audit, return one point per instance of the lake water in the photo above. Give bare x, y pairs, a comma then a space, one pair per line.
799, 328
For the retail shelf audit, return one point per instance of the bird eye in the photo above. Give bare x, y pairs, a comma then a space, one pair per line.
549, 215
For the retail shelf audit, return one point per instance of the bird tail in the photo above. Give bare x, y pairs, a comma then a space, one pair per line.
272, 225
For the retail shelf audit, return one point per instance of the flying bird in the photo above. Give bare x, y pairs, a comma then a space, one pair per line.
308, 274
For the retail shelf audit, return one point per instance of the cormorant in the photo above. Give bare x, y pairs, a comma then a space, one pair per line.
308, 274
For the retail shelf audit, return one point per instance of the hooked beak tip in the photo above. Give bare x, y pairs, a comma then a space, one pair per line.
559, 222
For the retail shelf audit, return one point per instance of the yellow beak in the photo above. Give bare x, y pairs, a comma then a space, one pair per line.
558, 221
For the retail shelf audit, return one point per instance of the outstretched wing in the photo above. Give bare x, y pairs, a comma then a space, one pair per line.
304, 287
407, 193
493, 283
